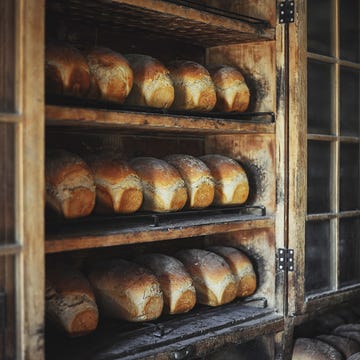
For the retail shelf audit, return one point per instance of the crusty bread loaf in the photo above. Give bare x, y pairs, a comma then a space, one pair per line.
348, 327
354, 356
163, 188
232, 92
194, 89
69, 300
118, 187
231, 182
350, 334
241, 267
345, 346
213, 280
111, 77
176, 284
70, 189
152, 83
66, 71
126, 290
198, 179
313, 349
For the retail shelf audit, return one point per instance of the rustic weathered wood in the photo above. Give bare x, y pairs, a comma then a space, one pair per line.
71, 116
30, 175
60, 243
297, 154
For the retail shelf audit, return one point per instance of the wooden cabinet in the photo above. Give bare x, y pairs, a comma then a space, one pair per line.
287, 209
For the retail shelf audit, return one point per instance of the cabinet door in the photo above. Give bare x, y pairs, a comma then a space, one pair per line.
21, 180
329, 252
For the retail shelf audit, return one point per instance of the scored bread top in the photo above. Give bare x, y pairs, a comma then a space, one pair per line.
64, 166
66, 280
110, 74
146, 68
66, 70
191, 168
157, 172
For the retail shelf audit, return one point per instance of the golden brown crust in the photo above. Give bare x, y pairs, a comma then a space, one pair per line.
70, 188
241, 267
163, 187
70, 301
126, 290
231, 182
118, 187
66, 71
152, 83
212, 276
232, 92
176, 284
194, 89
110, 74
198, 179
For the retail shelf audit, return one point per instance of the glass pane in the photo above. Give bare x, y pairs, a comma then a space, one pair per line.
7, 58
7, 190
319, 97
349, 30
317, 256
349, 177
318, 177
319, 26
349, 251
7, 305
349, 102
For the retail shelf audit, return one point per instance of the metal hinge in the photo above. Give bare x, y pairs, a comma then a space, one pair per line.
286, 259
287, 12
2, 312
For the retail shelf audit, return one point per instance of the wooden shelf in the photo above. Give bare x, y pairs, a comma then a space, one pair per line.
70, 236
166, 19
86, 117
121, 340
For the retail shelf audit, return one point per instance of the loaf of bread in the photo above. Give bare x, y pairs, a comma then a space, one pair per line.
345, 346
213, 280
194, 89
354, 356
240, 266
69, 300
176, 284
125, 290
231, 181
110, 74
163, 188
232, 92
199, 182
66, 71
350, 334
70, 188
118, 187
152, 83
313, 349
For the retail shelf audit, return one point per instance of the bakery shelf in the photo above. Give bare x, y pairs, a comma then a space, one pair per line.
115, 339
93, 232
165, 19
142, 119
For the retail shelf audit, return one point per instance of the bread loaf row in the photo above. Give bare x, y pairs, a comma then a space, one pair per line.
75, 186
142, 80
143, 289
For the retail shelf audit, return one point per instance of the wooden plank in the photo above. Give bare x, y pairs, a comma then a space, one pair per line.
297, 155
30, 26
71, 116
10, 118
10, 249
61, 243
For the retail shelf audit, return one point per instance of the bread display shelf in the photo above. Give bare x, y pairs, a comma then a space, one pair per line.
117, 339
92, 232
171, 20
142, 119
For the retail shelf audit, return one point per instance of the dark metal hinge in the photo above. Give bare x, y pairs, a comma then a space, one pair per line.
286, 259
2, 312
287, 12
